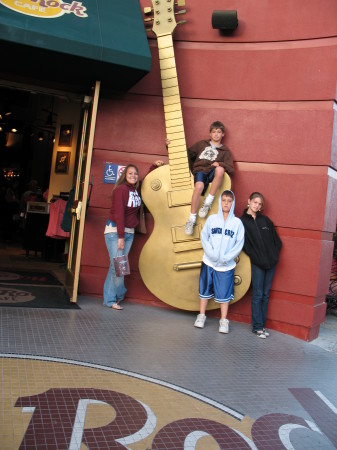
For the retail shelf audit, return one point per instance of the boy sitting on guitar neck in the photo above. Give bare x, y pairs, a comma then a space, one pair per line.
208, 160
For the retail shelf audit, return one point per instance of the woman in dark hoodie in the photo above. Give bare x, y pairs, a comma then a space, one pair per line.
262, 245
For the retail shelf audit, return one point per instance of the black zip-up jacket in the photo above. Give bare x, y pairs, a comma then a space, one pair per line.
262, 243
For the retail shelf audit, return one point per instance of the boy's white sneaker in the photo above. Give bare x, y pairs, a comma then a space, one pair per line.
224, 326
189, 227
204, 210
200, 322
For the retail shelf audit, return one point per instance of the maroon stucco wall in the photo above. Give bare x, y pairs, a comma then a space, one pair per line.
273, 83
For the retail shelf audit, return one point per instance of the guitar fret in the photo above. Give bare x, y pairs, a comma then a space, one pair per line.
172, 108
180, 181
181, 178
178, 143
180, 167
174, 122
164, 41
170, 82
181, 186
178, 187
174, 99
176, 147
179, 159
168, 73
178, 154
168, 63
178, 128
175, 137
168, 92
181, 172
173, 114
166, 53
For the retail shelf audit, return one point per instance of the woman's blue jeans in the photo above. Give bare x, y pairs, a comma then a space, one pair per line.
261, 280
114, 288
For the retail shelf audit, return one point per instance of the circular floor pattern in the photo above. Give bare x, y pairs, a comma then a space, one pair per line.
8, 295
9, 276
76, 405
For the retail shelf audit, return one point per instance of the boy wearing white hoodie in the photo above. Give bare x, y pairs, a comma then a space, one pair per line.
222, 239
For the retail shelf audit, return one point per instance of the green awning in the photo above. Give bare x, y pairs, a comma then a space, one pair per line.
74, 43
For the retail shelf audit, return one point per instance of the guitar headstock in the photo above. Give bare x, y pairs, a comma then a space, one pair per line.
163, 11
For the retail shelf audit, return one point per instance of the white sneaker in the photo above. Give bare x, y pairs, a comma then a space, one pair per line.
266, 332
224, 326
260, 334
200, 322
189, 227
204, 210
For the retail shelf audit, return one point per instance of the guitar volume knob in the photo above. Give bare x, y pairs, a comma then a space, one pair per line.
156, 184
237, 280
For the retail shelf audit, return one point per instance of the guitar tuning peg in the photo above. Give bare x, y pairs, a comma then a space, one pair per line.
149, 19
181, 3
181, 22
148, 10
182, 11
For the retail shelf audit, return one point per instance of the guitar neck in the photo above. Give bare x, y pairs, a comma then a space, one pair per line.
178, 160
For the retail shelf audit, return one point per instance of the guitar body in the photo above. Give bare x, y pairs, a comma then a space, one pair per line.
170, 260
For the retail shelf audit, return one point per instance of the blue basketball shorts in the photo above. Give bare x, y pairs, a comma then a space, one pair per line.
219, 285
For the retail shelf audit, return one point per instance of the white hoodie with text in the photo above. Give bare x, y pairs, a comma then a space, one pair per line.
222, 240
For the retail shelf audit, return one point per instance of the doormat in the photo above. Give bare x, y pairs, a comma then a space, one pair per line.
23, 277
35, 297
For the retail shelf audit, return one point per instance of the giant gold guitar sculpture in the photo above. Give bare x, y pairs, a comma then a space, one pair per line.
170, 260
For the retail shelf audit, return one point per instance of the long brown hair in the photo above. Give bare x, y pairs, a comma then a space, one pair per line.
122, 178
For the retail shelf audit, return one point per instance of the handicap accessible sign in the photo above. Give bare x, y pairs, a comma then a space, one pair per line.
112, 172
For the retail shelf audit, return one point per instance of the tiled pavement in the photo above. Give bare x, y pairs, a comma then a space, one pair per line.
145, 378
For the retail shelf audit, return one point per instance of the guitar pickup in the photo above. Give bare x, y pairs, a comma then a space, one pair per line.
182, 242
180, 197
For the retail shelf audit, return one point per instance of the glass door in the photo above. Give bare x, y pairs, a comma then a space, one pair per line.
79, 207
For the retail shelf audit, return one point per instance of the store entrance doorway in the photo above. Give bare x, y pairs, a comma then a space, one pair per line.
40, 153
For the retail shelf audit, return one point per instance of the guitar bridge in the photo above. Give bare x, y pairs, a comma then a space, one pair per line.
185, 266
